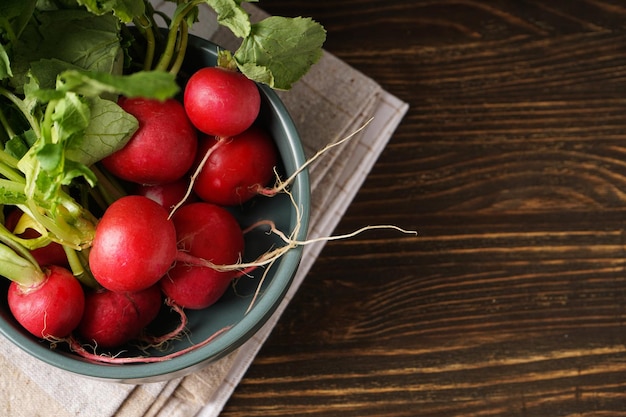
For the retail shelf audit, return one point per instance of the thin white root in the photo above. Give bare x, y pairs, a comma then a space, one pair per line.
195, 174
290, 243
271, 256
257, 291
282, 185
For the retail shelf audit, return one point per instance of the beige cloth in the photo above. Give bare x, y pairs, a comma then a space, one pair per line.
330, 102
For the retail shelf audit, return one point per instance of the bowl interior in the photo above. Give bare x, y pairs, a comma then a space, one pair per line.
230, 311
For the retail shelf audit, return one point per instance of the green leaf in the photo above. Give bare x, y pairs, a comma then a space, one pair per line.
46, 188
232, 15
50, 156
74, 36
46, 71
280, 50
47, 5
257, 73
44, 96
75, 170
110, 128
190, 16
14, 15
71, 115
125, 10
16, 147
84, 131
158, 85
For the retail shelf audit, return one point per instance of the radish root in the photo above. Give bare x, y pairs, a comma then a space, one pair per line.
195, 174
271, 256
282, 185
160, 341
79, 349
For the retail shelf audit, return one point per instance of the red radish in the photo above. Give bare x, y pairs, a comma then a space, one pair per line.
49, 309
161, 150
221, 102
211, 233
168, 195
134, 245
236, 170
194, 287
51, 254
112, 319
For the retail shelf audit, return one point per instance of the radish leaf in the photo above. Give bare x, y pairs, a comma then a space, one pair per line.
125, 10
109, 129
159, 85
280, 50
73, 36
231, 15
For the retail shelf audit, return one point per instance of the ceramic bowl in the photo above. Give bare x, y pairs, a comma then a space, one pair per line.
230, 312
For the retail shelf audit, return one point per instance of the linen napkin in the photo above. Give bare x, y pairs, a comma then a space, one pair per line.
331, 102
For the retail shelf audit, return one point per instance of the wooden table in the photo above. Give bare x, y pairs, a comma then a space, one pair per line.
511, 164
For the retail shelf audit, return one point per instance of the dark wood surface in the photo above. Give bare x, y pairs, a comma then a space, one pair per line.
511, 164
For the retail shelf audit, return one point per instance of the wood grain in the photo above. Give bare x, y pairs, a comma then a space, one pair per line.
511, 164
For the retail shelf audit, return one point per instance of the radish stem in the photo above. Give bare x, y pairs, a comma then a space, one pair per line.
22, 268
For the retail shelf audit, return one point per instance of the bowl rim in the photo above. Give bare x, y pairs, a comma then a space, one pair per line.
241, 331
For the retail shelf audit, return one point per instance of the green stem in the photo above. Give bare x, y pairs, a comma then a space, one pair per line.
172, 36
226, 60
10, 173
10, 240
62, 235
144, 24
79, 266
18, 269
16, 262
13, 189
47, 123
8, 159
109, 187
6, 125
182, 48
23, 108
94, 196
32, 243
70, 226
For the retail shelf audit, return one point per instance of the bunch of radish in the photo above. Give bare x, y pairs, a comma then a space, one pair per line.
116, 191
168, 236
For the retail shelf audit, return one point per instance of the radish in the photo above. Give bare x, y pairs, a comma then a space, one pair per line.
168, 195
220, 101
161, 150
205, 232
193, 286
235, 171
51, 308
112, 319
134, 245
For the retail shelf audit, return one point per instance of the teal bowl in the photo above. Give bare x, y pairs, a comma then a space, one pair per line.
231, 317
